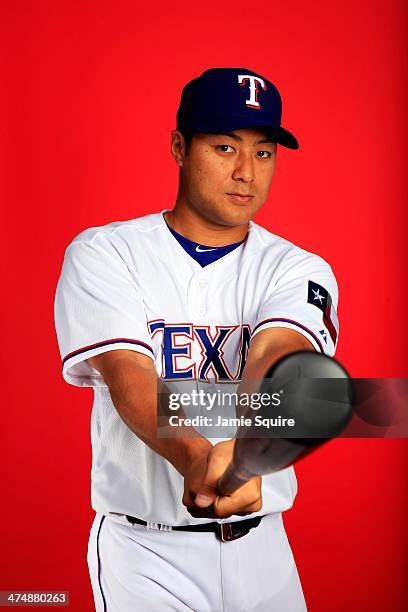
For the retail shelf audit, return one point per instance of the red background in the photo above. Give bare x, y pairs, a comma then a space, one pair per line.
91, 90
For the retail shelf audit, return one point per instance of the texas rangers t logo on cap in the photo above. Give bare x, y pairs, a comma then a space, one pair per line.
253, 88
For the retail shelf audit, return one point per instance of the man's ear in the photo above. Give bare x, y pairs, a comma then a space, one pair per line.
178, 147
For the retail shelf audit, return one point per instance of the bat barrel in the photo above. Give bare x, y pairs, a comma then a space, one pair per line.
317, 396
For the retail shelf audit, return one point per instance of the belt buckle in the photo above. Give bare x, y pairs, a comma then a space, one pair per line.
225, 533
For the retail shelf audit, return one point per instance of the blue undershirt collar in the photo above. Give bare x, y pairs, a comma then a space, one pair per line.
202, 253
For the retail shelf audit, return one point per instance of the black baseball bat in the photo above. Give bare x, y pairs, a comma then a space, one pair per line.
316, 394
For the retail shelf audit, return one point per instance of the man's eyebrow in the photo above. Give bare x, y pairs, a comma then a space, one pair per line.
236, 137
229, 134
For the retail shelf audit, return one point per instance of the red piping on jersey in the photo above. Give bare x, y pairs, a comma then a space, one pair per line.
105, 343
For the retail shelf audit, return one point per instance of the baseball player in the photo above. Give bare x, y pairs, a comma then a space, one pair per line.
193, 296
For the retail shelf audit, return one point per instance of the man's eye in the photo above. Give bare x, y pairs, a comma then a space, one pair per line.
264, 154
225, 148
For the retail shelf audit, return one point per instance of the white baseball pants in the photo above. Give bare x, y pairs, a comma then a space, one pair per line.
134, 568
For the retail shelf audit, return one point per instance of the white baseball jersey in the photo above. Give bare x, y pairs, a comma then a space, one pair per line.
130, 285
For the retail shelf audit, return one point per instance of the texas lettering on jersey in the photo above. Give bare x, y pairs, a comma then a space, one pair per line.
195, 352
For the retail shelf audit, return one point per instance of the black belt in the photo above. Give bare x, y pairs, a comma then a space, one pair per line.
225, 531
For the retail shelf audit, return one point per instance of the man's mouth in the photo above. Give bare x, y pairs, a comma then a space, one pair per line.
241, 197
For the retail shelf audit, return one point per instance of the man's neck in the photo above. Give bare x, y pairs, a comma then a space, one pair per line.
201, 230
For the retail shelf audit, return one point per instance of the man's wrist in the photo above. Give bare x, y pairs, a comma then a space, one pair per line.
193, 448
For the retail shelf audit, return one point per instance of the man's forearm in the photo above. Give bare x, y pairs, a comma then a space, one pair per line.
135, 396
267, 348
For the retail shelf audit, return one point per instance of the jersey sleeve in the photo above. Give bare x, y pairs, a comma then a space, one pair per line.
304, 298
98, 307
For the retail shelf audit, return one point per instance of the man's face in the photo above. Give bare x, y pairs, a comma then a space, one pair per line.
226, 177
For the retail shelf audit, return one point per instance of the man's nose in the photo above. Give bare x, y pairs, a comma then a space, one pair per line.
244, 169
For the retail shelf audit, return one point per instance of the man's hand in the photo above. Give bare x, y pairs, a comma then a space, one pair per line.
201, 495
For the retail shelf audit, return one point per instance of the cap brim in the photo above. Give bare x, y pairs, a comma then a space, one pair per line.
224, 125
284, 137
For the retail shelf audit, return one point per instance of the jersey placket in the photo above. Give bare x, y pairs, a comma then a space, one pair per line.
197, 306
198, 296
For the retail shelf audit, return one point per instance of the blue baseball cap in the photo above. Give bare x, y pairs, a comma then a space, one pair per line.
221, 100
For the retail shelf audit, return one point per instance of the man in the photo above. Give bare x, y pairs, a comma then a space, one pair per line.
196, 296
